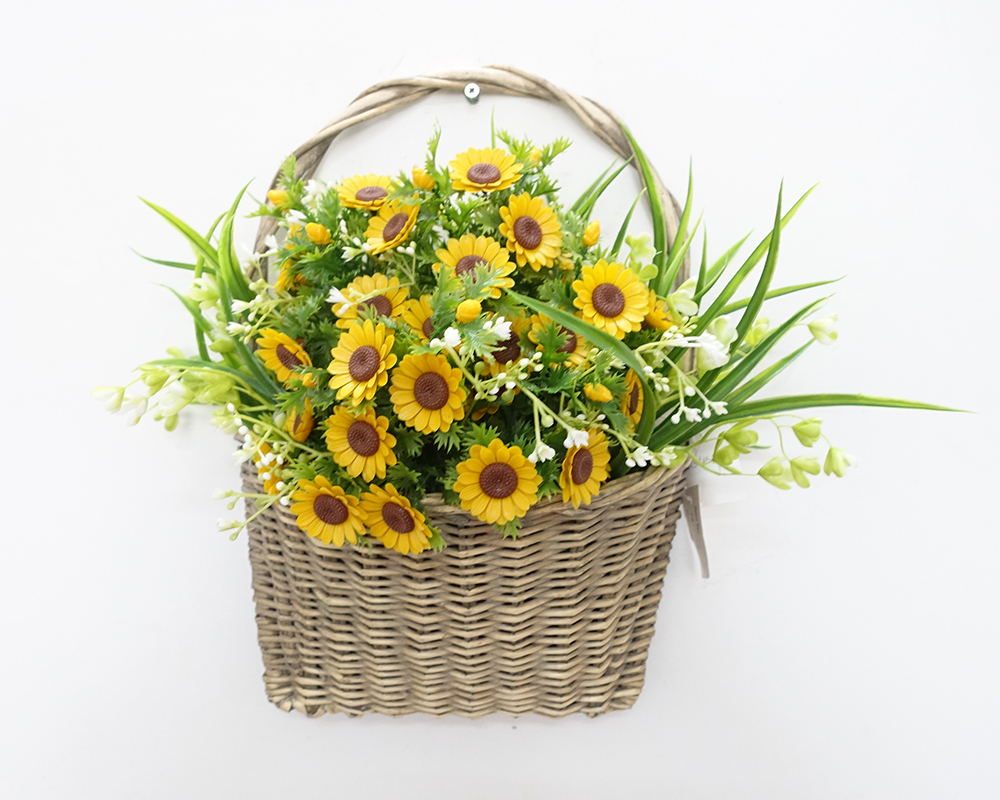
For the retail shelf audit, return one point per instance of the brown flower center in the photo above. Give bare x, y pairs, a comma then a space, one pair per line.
287, 358
468, 264
296, 424
509, 349
363, 438
527, 232
330, 510
498, 480
483, 173
394, 226
570, 345
583, 465
427, 328
431, 391
369, 194
608, 300
397, 518
633, 399
364, 363
381, 303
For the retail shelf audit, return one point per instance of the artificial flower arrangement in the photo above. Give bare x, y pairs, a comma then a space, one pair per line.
458, 329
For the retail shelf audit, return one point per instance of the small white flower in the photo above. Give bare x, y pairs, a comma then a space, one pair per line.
718, 407
283, 501
683, 298
343, 226
134, 408
243, 430
575, 438
314, 189
692, 414
295, 216
452, 338
218, 494
366, 248
230, 408
435, 343
236, 328
280, 485
271, 243
111, 395
239, 306
336, 296
822, 329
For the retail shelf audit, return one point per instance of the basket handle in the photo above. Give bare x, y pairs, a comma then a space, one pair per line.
390, 95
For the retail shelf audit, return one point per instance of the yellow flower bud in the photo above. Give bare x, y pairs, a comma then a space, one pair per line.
278, 197
468, 310
534, 156
599, 393
422, 180
318, 234
591, 234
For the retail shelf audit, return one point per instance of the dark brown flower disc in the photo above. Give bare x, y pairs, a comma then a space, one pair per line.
528, 232
483, 173
608, 300
369, 194
633, 399
397, 518
583, 465
468, 264
508, 350
296, 424
364, 363
395, 224
570, 345
330, 510
427, 328
431, 391
363, 438
498, 480
381, 303
287, 358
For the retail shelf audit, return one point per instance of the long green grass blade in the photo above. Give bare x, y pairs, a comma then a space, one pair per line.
703, 267
201, 325
738, 304
588, 207
201, 246
655, 210
781, 405
719, 267
759, 381
174, 264
681, 240
230, 271
624, 228
676, 258
587, 192
605, 341
192, 363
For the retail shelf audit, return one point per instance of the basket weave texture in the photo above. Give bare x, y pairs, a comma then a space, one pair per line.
555, 622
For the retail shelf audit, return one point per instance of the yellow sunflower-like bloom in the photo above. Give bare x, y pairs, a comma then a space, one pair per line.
657, 316
365, 191
360, 444
591, 234
288, 278
427, 392
389, 302
466, 253
497, 483
584, 469
576, 347
300, 423
533, 233
612, 298
631, 402
484, 170
361, 361
422, 180
267, 473
391, 226
598, 392
283, 355
318, 234
417, 315
327, 512
394, 521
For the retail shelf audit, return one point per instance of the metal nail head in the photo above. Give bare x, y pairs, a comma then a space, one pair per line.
472, 92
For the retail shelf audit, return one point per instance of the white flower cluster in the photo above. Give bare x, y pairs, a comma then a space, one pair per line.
642, 456
576, 438
542, 452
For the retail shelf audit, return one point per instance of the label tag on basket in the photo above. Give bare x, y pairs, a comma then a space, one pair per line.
691, 503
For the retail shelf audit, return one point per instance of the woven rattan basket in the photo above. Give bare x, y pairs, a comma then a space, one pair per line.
555, 622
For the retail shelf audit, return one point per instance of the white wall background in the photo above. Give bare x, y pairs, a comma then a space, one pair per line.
847, 642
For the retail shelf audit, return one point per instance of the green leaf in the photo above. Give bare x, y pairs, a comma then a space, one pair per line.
677, 257
781, 405
193, 363
230, 271
604, 341
585, 210
624, 228
175, 264
681, 241
738, 304
759, 381
719, 267
200, 245
703, 267
655, 210
587, 192
201, 325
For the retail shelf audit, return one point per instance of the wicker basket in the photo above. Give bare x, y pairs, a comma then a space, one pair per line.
555, 622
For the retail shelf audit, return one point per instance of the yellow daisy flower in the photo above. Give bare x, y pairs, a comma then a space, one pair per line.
267, 473
533, 233
360, 444
577, 347
288, 278
612, 298
484, 170
365, 191
283, 355
300, 423
394, 521
327, 512
657, 316
464, 254
584, 469
426, 392
391, 226
422, 180
497, 483
361, 361
417, 314
632, 401
389, 302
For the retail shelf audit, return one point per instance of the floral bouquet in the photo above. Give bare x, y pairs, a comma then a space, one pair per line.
462, 330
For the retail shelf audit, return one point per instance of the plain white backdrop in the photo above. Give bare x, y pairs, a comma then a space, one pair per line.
847, 642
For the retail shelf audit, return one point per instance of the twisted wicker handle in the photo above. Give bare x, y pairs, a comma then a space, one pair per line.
384, 97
